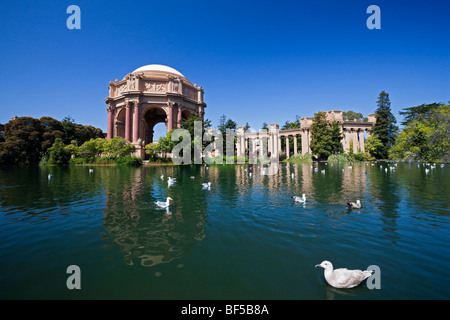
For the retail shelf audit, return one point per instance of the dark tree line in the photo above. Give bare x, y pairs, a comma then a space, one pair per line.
27, 139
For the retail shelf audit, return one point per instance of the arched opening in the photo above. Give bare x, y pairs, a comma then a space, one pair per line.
159, 130
151, 117
120, 123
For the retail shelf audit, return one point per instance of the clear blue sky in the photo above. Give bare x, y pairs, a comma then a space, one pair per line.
258, 61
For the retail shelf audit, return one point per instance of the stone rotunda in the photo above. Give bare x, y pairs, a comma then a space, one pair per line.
149, 95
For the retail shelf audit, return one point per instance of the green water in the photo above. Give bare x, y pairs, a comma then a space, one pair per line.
245, 238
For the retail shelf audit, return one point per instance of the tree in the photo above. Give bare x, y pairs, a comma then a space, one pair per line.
384, 129
92, 148
53, 129
420, 112
372, 145
59, 155
425, 136
79, 132
118, 147
23, 142
351, 115
326, 138
336, 137
265, 126
189, 125
292, 125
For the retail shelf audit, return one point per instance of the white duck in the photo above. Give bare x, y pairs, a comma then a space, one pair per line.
206, 185
163, 204
356, 205
342, 277
298, 199
171, 181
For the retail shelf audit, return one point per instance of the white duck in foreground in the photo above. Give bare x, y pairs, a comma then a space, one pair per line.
342, 277
163, 204
298, 199
356, 205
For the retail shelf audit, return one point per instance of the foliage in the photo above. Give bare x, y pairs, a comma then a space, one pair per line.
292, 125
422, 112
78, 132
28, 140
340, 158
23, 142
373, 145
326, 138
117, 147
351, 115
189, 125
59, 155
300, 158
163, 146
128, 160
92, 148
384, 129
265, 126
52, 130
426, 135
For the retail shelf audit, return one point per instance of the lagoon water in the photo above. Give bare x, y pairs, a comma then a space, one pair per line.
245, 238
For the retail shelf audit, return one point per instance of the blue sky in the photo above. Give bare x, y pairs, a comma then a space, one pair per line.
258, 61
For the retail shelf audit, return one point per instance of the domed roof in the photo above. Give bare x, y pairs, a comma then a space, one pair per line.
150, 68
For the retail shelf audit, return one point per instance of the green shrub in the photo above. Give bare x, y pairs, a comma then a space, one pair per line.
130, 161
339, 158
300, 158
359, 156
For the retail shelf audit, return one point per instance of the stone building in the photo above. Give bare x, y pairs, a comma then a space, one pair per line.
149, 95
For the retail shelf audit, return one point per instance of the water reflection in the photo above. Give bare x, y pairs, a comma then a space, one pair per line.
146, 234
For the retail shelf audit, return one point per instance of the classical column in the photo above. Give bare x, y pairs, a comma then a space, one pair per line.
309, 141
295, 144
110, 122
304, 142
136, 122
355, 141
240, 141
287, 147
170, 116
127, 121
361, 141
179, 117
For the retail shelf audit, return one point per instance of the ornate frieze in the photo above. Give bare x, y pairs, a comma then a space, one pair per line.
153, 86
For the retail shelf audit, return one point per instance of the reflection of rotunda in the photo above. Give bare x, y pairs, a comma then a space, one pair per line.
149, 95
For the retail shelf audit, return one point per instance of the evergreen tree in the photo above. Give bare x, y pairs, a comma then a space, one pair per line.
384, 129
326, 138
320, 136
336, 137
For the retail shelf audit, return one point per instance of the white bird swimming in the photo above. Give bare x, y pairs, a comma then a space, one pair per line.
91, 170
171, 181
206, 185
298, 199
356, 205
163, 204
342, 277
